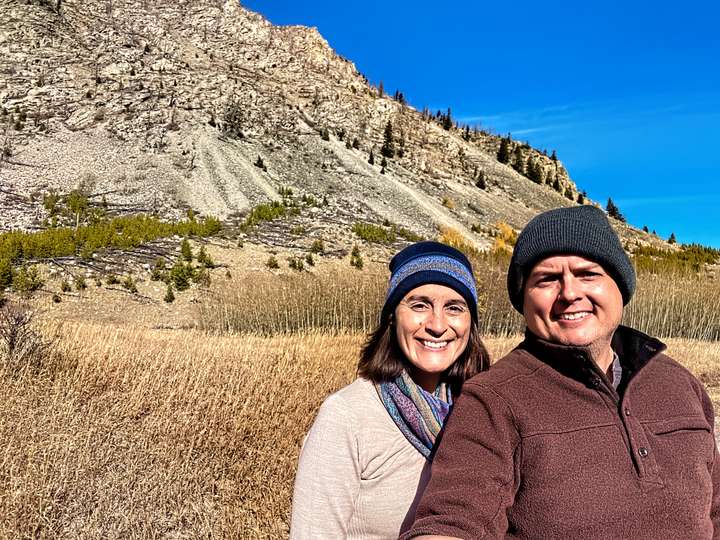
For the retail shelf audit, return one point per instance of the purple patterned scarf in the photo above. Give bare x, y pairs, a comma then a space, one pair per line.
418, 414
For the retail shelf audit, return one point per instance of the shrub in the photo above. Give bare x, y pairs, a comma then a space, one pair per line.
158, 271
309, 259
205, 259
272, 263
65, 286
186, 250
21, 346
27, 280
129, 284
355, 258
373, 233
180, 275
202, 277
6, 273
298, 230
296, 263
112, 279
121, 233
56, 298
317, 247
263, 212
80, 283
169, 294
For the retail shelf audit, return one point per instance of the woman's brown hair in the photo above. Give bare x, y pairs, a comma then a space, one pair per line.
381, 358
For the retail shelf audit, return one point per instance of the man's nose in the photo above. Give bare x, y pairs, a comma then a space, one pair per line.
569, 288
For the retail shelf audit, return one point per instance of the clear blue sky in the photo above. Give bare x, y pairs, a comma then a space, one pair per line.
627, 93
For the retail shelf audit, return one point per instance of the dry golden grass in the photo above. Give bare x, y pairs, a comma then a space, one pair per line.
146, 434
137, 433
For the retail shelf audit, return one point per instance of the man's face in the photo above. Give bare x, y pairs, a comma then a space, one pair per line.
572, 300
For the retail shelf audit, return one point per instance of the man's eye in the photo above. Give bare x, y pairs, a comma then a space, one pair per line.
418, 306
456, 309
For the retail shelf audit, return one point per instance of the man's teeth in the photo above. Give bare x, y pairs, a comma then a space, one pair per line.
572, 316
435, 344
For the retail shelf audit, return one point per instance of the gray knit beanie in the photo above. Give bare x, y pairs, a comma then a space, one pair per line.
579, 230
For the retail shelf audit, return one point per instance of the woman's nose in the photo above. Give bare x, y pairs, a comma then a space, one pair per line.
436, 322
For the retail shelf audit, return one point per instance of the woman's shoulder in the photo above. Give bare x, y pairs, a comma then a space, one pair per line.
358, 393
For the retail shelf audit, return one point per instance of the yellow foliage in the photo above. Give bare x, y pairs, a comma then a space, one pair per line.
453, 237
506, 233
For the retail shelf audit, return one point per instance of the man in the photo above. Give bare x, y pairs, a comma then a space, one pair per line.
586, 430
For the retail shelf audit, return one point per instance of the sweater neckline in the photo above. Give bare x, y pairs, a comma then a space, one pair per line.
634, 349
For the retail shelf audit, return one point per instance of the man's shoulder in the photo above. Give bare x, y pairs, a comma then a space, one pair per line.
517, 364
663, 366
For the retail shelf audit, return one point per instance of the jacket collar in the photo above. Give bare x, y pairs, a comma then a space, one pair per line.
634, 349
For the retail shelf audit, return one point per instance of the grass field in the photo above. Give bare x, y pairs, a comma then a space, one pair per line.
135, 433
128, 431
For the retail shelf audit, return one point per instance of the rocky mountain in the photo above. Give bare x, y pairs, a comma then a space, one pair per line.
162, 106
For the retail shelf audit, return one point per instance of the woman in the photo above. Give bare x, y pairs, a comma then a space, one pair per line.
366, 458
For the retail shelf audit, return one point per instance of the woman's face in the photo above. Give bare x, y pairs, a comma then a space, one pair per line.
433, 328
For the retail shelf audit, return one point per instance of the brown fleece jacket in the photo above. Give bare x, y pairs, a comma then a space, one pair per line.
542, 446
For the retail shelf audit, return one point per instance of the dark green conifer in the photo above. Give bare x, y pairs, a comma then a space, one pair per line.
388, 147
447, 122
613, 211
503, 155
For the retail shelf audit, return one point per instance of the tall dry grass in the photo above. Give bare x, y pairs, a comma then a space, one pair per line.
136, 433
671, 305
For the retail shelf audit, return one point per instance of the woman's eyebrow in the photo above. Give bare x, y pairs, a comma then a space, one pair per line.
418, 298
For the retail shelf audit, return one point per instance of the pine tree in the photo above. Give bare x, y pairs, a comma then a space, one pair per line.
503, 155
554, 156
388, 147
581, 198
481, 181
371, 159
447, 120
613, 211
519, 160
672, 239
534, 171
645, 229
185, 250
169, 294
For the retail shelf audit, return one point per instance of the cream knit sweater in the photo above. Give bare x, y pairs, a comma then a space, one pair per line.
358, 476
